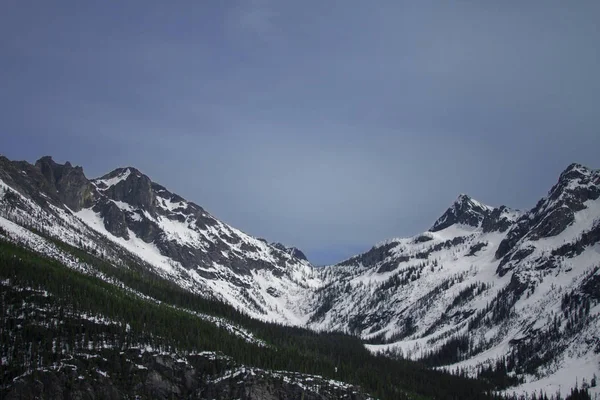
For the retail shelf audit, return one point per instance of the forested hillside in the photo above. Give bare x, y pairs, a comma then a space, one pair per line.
52, 315
489, 300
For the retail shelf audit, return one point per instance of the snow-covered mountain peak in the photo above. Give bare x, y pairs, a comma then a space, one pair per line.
112, 178
465, 198
466, 202
572, 202
465, 210
489, 282
576, 185
176, 238
576, 171
500, 282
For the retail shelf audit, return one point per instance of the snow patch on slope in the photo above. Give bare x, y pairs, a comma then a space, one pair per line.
147, 251
104, 184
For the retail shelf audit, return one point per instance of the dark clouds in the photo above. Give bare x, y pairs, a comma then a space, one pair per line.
326, 125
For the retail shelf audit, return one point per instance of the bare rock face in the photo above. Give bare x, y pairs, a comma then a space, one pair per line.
509, 261
513, 236
27, 180
69, 182
465, 211
499, 220
555, 212
135, 189
553, 224
293, 251
114, 219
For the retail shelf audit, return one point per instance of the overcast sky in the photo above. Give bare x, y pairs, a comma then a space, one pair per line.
329, 125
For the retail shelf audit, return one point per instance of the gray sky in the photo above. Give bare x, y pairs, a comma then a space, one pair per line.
329, 125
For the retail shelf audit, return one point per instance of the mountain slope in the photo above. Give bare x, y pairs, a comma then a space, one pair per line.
86, 325
485, 289
177, 238
506, 295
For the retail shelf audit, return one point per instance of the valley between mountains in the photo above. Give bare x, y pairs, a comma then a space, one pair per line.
510, 297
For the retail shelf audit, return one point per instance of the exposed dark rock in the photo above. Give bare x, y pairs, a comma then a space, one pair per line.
114, 218
402, 259
497, 220
546, 263
516, 287
146, 229
474, 249
554, 213
228, 238
375, 255
443, 245
577, 247
423, 239
464, 211
178, 217
27, 180
297, 253
204, 222
187, 256
136, 189
292, 251
69, 182
554, 223
50, 170
513, 236
387, 267
591, 285
508, 261
587, 187
248, 247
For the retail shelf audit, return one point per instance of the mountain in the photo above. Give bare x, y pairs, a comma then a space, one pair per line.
508, 296
84, 328
125, 210
489, 291
94, 306
465, 211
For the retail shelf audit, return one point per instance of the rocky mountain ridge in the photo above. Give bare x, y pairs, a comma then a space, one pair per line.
177, 238
484, 285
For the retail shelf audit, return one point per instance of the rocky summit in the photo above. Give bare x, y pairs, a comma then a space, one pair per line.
489, 292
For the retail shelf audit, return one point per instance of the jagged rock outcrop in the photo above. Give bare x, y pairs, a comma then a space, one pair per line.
465, 211
499, 220
69, 182
555, 212
176, 237
128, 185
114, 218
293, 251
29, 181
